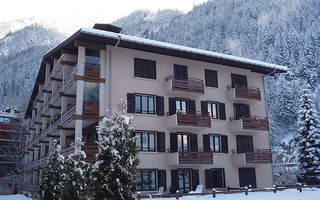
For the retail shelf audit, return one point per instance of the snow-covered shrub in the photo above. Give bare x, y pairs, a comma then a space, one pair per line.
52, 176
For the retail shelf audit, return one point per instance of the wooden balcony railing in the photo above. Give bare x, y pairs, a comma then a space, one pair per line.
246, 92
92, 72
89, 109
196, 119
195, 158
90, 151
257, 156
254, 123
189, 85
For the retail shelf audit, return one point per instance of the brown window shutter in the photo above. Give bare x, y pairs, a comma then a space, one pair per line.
161, 142
206, 143
192, 106
224, 144
160, 105
204, 107
209, 179
174, 181
172, 106
195, 178
131, 103
194, 142
222, 111
173, 142
162, 179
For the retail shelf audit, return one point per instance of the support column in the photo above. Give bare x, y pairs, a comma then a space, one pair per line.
62, 139
47, 71
102, 89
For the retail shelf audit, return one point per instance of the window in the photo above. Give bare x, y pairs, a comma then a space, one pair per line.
213, 110
91, 93
211, 78
215, 143
146, 180
218, 178
183, 142
181, 106
145, 104
145, 141
144, 68
92, 57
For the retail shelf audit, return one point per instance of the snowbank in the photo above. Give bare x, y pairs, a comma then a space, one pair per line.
14, 197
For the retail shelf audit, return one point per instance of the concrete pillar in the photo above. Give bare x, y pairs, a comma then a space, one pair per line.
47, 71
102, 89
42, 150
62, 139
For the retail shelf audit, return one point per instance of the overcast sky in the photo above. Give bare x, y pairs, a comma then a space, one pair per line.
85, 11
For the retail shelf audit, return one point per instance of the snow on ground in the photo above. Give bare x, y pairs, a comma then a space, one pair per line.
14, 197
291, 194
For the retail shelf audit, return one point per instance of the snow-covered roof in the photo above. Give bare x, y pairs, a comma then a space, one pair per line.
170, 46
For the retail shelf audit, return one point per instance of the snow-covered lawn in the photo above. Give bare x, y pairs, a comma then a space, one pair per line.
13, 197
291, 194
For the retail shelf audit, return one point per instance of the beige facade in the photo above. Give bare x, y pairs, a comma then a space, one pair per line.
62, 107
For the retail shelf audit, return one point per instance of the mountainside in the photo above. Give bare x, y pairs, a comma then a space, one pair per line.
276, 31
20, 56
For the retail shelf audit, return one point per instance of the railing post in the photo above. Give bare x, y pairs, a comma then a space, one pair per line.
214, 193
138, 196
177, 194
275, 188
246, 191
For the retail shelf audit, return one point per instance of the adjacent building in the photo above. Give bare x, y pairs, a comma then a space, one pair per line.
200, 116
11, 150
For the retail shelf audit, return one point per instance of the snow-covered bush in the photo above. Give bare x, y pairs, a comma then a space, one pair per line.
308, 140
114, 172
52, 176
76, 175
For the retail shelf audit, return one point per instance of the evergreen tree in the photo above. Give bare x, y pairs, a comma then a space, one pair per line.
114, 173
308, 140
52, 176
76, 175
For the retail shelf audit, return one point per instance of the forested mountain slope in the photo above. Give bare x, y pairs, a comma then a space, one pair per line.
276, 31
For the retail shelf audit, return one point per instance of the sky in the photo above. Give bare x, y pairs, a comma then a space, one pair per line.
73, 13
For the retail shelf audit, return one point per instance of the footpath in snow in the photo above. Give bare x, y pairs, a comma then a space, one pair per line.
13, 197
290, 194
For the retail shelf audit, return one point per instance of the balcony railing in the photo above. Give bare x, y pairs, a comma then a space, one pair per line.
90, 109
193, 119
250, 123
90, 151
55, 96
195, 158
244, 92
92, 71
67, 115
257, 156
188, 85
69, 78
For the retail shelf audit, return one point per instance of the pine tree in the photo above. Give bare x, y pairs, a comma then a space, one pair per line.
76, 175
114, 173
52, 176
308, 140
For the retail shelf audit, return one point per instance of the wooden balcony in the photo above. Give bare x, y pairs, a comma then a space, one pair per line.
69, 80
90, 151
67, 115
189, 120
92, 72
90, 109
249, 124
244, 94
190, 158
191, 86
258, 156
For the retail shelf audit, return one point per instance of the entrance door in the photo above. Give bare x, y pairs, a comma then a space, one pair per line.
244, 144
184, 180
239, 80
247, 176
180, 72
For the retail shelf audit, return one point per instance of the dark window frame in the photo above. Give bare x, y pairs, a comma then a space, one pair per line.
180, 102
213, 143
211, 83
223, 175
140, 172
181, 149
141, 140
148, 112
146, 66
217, 109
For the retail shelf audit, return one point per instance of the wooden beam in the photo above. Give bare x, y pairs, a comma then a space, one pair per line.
32, 128
38, 100
47, 116
89, 45
47, 61
35, 122
67, 51
56, 79
87, 117
53, 136
55, 107
29, 149
33, 108
89, 79
61, 94
46, 91
43, 141
36, 146
54, 56
59, 127
27, 133
69, 63
39, 83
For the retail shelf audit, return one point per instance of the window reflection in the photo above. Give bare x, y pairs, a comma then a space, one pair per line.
92, 57
91, 93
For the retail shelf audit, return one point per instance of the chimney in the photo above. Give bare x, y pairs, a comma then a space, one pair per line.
107, 27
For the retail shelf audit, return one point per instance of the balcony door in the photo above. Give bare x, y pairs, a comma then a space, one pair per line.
181, 106
244, 144
183, 142
184, 180
241, 110
247, 176
180, 72
239, 80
